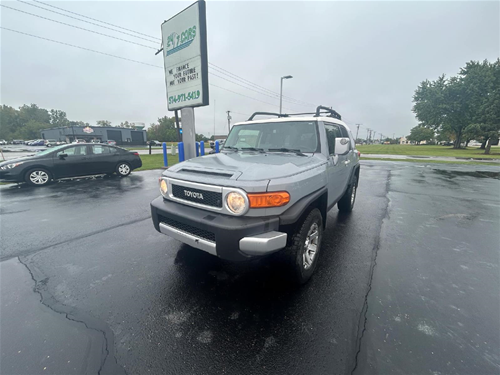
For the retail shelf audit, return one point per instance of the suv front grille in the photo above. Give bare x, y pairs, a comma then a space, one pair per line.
207, 198
197, 232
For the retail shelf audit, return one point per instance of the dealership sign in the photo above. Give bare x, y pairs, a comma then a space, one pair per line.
88, 130
185, 57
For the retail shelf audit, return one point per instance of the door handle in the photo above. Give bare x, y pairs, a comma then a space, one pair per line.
347, 162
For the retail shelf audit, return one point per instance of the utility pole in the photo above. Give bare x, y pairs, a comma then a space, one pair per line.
357, 131
367, 131
228, 121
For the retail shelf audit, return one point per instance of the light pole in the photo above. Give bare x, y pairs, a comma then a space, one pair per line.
281, 89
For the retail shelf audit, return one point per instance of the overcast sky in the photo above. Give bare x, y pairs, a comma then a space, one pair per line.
364, 59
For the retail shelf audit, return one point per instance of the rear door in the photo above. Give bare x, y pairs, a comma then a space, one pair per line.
103, 159
335, 168
75, 163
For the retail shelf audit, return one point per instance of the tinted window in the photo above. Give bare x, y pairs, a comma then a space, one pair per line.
100, 149
74, 151
344, 132
332, 132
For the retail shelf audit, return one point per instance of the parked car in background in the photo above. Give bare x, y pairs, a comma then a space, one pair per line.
79, 141
38, 142
17, 142
70, 161
110, 142
154, 143
3, 142
51, 142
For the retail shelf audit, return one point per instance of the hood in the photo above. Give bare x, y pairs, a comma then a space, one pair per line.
17, 160
247, 166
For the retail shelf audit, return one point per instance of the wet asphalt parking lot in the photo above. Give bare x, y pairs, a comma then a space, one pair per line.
407, 284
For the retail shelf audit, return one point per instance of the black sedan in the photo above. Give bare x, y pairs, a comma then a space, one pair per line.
70, 161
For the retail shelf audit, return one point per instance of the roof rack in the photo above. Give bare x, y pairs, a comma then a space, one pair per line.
330, 113
267, 114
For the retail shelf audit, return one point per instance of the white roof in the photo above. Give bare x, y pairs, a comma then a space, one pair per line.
295, 118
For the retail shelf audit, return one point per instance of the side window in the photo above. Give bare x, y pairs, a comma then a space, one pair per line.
100, 149
74, 151
332, 132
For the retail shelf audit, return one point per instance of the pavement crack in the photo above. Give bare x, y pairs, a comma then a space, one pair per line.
363, 318
108, 363
28, 252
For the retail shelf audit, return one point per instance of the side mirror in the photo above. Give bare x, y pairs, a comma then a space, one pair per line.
62, 156
342, 146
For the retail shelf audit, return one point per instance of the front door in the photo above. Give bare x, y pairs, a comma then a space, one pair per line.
337, 169
72, 161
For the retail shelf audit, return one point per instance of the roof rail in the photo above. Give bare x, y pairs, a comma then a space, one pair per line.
266, 114
332, 113
326, 110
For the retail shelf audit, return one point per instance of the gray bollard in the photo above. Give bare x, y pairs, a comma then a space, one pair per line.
173, 150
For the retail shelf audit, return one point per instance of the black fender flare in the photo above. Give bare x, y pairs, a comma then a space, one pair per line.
293, 214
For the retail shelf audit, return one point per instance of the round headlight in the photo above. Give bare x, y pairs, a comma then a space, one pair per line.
163, 187
236, 202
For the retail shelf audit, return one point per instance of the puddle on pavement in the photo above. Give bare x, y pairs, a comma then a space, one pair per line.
476, 174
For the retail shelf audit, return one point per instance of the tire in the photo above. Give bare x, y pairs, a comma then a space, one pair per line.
38, 177
123, 169
298, 254
346, 203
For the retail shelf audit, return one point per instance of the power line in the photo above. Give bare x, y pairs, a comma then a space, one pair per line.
221, 70
86, 49
248, 88
234, 92
94, 19
77, 27
127, 59
95, 24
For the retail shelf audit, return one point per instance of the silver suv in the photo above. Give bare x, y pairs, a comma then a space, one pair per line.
267, 191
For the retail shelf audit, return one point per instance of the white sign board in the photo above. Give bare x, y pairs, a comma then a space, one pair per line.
185, 57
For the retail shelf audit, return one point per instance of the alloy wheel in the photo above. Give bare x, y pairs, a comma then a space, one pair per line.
310, 246
39, 177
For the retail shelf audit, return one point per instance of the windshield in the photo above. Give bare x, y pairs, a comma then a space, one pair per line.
48, 151
291, 135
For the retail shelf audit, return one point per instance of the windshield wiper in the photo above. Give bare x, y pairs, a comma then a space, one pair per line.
230, 148
252, 149
296, 151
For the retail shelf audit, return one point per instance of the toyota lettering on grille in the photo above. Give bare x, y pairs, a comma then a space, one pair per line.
193, 194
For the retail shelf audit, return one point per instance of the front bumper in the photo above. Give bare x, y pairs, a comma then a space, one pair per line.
228, 237
10, 175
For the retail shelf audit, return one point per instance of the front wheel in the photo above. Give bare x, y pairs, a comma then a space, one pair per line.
305, 246
123, 169
37, 177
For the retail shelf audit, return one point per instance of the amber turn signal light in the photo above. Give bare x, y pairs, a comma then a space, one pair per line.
274, 199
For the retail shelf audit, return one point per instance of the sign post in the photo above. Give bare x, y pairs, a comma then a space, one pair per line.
186, 67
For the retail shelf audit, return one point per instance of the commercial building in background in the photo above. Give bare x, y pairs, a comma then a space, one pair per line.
122, 136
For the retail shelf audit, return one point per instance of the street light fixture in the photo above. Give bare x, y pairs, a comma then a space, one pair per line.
281, 90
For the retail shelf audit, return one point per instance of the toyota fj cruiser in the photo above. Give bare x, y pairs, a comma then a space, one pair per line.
268, 190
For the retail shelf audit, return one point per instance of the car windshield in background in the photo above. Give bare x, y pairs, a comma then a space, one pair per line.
48, 151
274, 136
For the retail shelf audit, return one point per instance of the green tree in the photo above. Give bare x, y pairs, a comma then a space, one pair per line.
164, 131
420, 133
9, 122
451, 105
103, 123
58, 118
